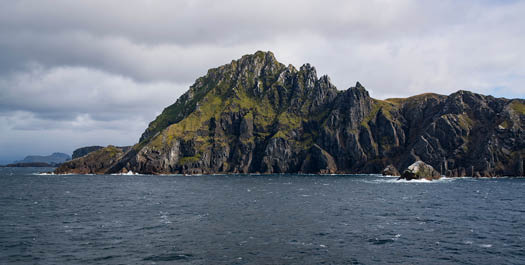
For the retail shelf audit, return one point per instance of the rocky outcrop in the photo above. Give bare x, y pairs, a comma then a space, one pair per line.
85, 150
80, 152
96, 162
420, 170
390, 170
258, 115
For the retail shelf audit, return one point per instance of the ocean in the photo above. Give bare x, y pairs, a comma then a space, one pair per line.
258, 219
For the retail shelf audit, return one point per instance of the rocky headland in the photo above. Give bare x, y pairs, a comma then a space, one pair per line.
256, 115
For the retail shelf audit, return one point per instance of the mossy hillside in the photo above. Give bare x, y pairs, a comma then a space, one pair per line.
229, 96
291, 128
185, 105
465, 121
188, 128
396, 101
289, 121
110, 151
414, 99
189, 160
286, 123
253, 85
235, 95
386, 107
518, 107
239, 74
262, 110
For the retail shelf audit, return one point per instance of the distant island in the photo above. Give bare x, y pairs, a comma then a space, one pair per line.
30, 164
256, 115
51, 160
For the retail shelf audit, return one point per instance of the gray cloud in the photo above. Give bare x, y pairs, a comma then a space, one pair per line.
71, 90
95, 72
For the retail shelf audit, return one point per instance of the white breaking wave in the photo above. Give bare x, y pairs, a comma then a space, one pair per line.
43, 173
486, 245
386, 176
395, 180
129, 173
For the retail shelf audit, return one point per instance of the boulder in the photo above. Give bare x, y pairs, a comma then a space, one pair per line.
420, 170
390, 170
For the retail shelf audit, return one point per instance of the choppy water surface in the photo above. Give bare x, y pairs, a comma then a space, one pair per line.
265, 219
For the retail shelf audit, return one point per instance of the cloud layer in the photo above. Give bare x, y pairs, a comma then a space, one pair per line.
96, 72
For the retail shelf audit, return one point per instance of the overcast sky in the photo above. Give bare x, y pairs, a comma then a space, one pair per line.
77, 73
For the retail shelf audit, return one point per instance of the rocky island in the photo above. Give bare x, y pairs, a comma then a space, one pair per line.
256, 115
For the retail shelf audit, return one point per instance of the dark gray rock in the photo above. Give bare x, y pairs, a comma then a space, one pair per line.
390, 170
420, 170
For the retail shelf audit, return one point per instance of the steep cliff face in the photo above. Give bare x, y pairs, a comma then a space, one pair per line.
468, 134
258, 115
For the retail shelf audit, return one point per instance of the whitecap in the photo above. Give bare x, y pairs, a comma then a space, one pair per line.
387, 176
43, 173
164, 218
486, 245
129, 173
395, 180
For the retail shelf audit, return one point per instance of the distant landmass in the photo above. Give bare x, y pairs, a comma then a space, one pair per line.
52, 160
256, 115
30, 164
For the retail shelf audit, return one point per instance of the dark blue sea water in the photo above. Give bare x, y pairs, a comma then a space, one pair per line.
265, 219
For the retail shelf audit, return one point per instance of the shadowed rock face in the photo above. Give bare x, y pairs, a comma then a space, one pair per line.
258, 115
